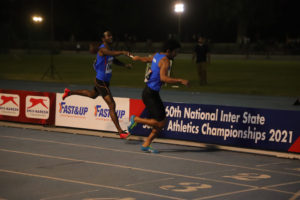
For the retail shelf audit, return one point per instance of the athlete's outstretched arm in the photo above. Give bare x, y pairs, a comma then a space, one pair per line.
142, 59
106, 52
164, 64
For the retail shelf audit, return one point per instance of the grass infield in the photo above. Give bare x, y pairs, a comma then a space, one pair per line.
241, 76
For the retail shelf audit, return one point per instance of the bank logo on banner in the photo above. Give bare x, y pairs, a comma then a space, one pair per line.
9, 104
102, 113
37, 107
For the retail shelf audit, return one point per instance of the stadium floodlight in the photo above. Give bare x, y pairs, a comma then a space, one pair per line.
37, 19
179, 8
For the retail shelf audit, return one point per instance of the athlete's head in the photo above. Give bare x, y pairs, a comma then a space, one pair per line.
107, 37
171, 47
201, 39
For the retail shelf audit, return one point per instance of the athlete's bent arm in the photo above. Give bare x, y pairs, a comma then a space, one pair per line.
164, 64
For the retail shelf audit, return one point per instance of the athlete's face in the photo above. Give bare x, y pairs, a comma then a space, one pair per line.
108, 38
172, 54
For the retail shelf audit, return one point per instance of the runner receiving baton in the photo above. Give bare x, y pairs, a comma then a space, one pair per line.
156, 76
102, 66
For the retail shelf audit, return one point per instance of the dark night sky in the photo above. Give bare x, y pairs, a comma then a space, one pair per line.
219, 20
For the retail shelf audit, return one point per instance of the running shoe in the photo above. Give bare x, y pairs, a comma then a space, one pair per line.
149, 149
132, 124
124, 135
66, 93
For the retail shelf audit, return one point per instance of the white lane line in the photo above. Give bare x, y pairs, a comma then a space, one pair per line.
281, 184
295, 196
146, 182
156, 155
214, 172
276, 190
225, 194
89, 184
272, 164
126, 167
68, 195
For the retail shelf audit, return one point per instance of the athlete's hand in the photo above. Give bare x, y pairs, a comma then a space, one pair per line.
134, 58
125, 53
184, 82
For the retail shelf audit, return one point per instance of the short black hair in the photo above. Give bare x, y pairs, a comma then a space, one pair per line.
171, 45
103, 33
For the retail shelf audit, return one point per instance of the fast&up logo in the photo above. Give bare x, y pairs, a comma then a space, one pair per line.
104, 112
72, 109
37, 107
9, 104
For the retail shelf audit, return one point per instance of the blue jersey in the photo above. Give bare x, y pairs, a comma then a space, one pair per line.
102, 66
154, 81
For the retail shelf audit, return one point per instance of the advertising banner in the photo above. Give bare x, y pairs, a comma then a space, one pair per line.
83, 112
265, 129
27, 106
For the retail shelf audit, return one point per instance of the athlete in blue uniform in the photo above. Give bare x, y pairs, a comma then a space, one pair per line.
151, 98
105, 58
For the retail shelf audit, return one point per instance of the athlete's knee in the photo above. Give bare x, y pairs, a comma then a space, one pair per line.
161, 124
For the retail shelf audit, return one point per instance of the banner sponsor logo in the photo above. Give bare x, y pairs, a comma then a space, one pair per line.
83, 112
37, 107
72, 110
235, 126
9, 104
102, 113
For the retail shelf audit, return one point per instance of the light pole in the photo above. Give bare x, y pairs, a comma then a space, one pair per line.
179, 9
37, 20
52, 68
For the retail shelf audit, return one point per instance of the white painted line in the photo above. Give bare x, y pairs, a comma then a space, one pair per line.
146, 182
158, 140
68, 195
281, 184
272, 164
225, 194
214, 172
125, 167
155, 155
252, 188
295, 196
276, 190
89, 184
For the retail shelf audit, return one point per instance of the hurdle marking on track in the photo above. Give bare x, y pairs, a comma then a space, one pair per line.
156, 155
86, 183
